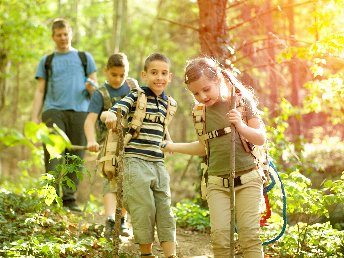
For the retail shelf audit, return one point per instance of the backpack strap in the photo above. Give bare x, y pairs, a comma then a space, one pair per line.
106, 97
48, 71
241, 107
198, 115
133, 84
170, 112
83, 58
139, 114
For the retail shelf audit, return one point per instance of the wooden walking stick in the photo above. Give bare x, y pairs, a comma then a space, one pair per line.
119, 176
231, 177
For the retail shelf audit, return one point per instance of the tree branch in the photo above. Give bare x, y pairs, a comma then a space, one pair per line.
255, 52
278, 8
235, 4
178, 23
273, 38
264, 65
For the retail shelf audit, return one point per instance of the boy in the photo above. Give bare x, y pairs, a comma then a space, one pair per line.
116, 73
146, 181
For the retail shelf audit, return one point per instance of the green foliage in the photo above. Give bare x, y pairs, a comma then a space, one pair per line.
56, 142
54, 138
31, 229
326, 97
22, 29
304, 240
59, 177
192, 216
72, 164
281, 149
304, 203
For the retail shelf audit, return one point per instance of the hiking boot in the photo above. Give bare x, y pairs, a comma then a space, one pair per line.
109, 228
124, 228
71, 205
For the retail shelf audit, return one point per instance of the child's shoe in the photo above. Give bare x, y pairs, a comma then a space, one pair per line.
148, 256
124, 228
109, 228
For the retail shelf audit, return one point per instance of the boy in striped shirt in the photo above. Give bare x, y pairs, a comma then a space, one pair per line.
146, 190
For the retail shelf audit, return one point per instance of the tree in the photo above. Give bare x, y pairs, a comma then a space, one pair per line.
213, 33
118, 20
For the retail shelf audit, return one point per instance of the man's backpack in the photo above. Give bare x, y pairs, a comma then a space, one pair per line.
48, 70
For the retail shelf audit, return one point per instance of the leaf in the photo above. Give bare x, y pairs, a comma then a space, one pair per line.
63, 135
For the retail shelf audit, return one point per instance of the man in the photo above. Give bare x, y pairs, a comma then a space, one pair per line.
63, 97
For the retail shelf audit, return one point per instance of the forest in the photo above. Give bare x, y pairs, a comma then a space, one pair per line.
290, 52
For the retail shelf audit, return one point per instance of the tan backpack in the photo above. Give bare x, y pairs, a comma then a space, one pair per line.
260, 153
107, 163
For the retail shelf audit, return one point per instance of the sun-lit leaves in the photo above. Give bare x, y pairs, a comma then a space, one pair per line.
327, 96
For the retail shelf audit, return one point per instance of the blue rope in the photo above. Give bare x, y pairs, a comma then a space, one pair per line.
268, 188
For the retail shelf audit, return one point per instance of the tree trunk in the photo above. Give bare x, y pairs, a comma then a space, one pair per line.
212, 28
3, 62
293, 67
213, 35
75, 11
15, 97
117, 21
273, 83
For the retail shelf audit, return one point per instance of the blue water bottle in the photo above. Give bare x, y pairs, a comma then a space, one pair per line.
84, 91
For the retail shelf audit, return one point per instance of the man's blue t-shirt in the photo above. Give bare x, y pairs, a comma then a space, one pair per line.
66, 81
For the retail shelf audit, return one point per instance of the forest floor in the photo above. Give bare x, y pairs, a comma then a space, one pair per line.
189, 243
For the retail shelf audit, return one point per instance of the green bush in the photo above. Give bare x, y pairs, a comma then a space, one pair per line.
192, 216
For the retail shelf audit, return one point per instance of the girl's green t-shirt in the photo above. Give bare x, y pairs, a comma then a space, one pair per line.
220, 147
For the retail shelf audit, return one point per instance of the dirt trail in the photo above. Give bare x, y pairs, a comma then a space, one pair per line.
190, 243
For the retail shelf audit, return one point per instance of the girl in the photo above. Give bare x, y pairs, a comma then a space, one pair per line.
210, 85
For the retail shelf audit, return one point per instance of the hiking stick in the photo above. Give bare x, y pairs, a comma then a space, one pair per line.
119, 195
231, 178
80, 147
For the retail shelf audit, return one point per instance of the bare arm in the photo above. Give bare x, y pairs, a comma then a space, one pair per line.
192, 148
89, 128
38, 101
168, 136
253, 132
88, 85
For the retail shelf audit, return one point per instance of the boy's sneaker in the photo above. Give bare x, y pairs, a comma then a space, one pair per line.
71, 205
124, 227
109, 228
